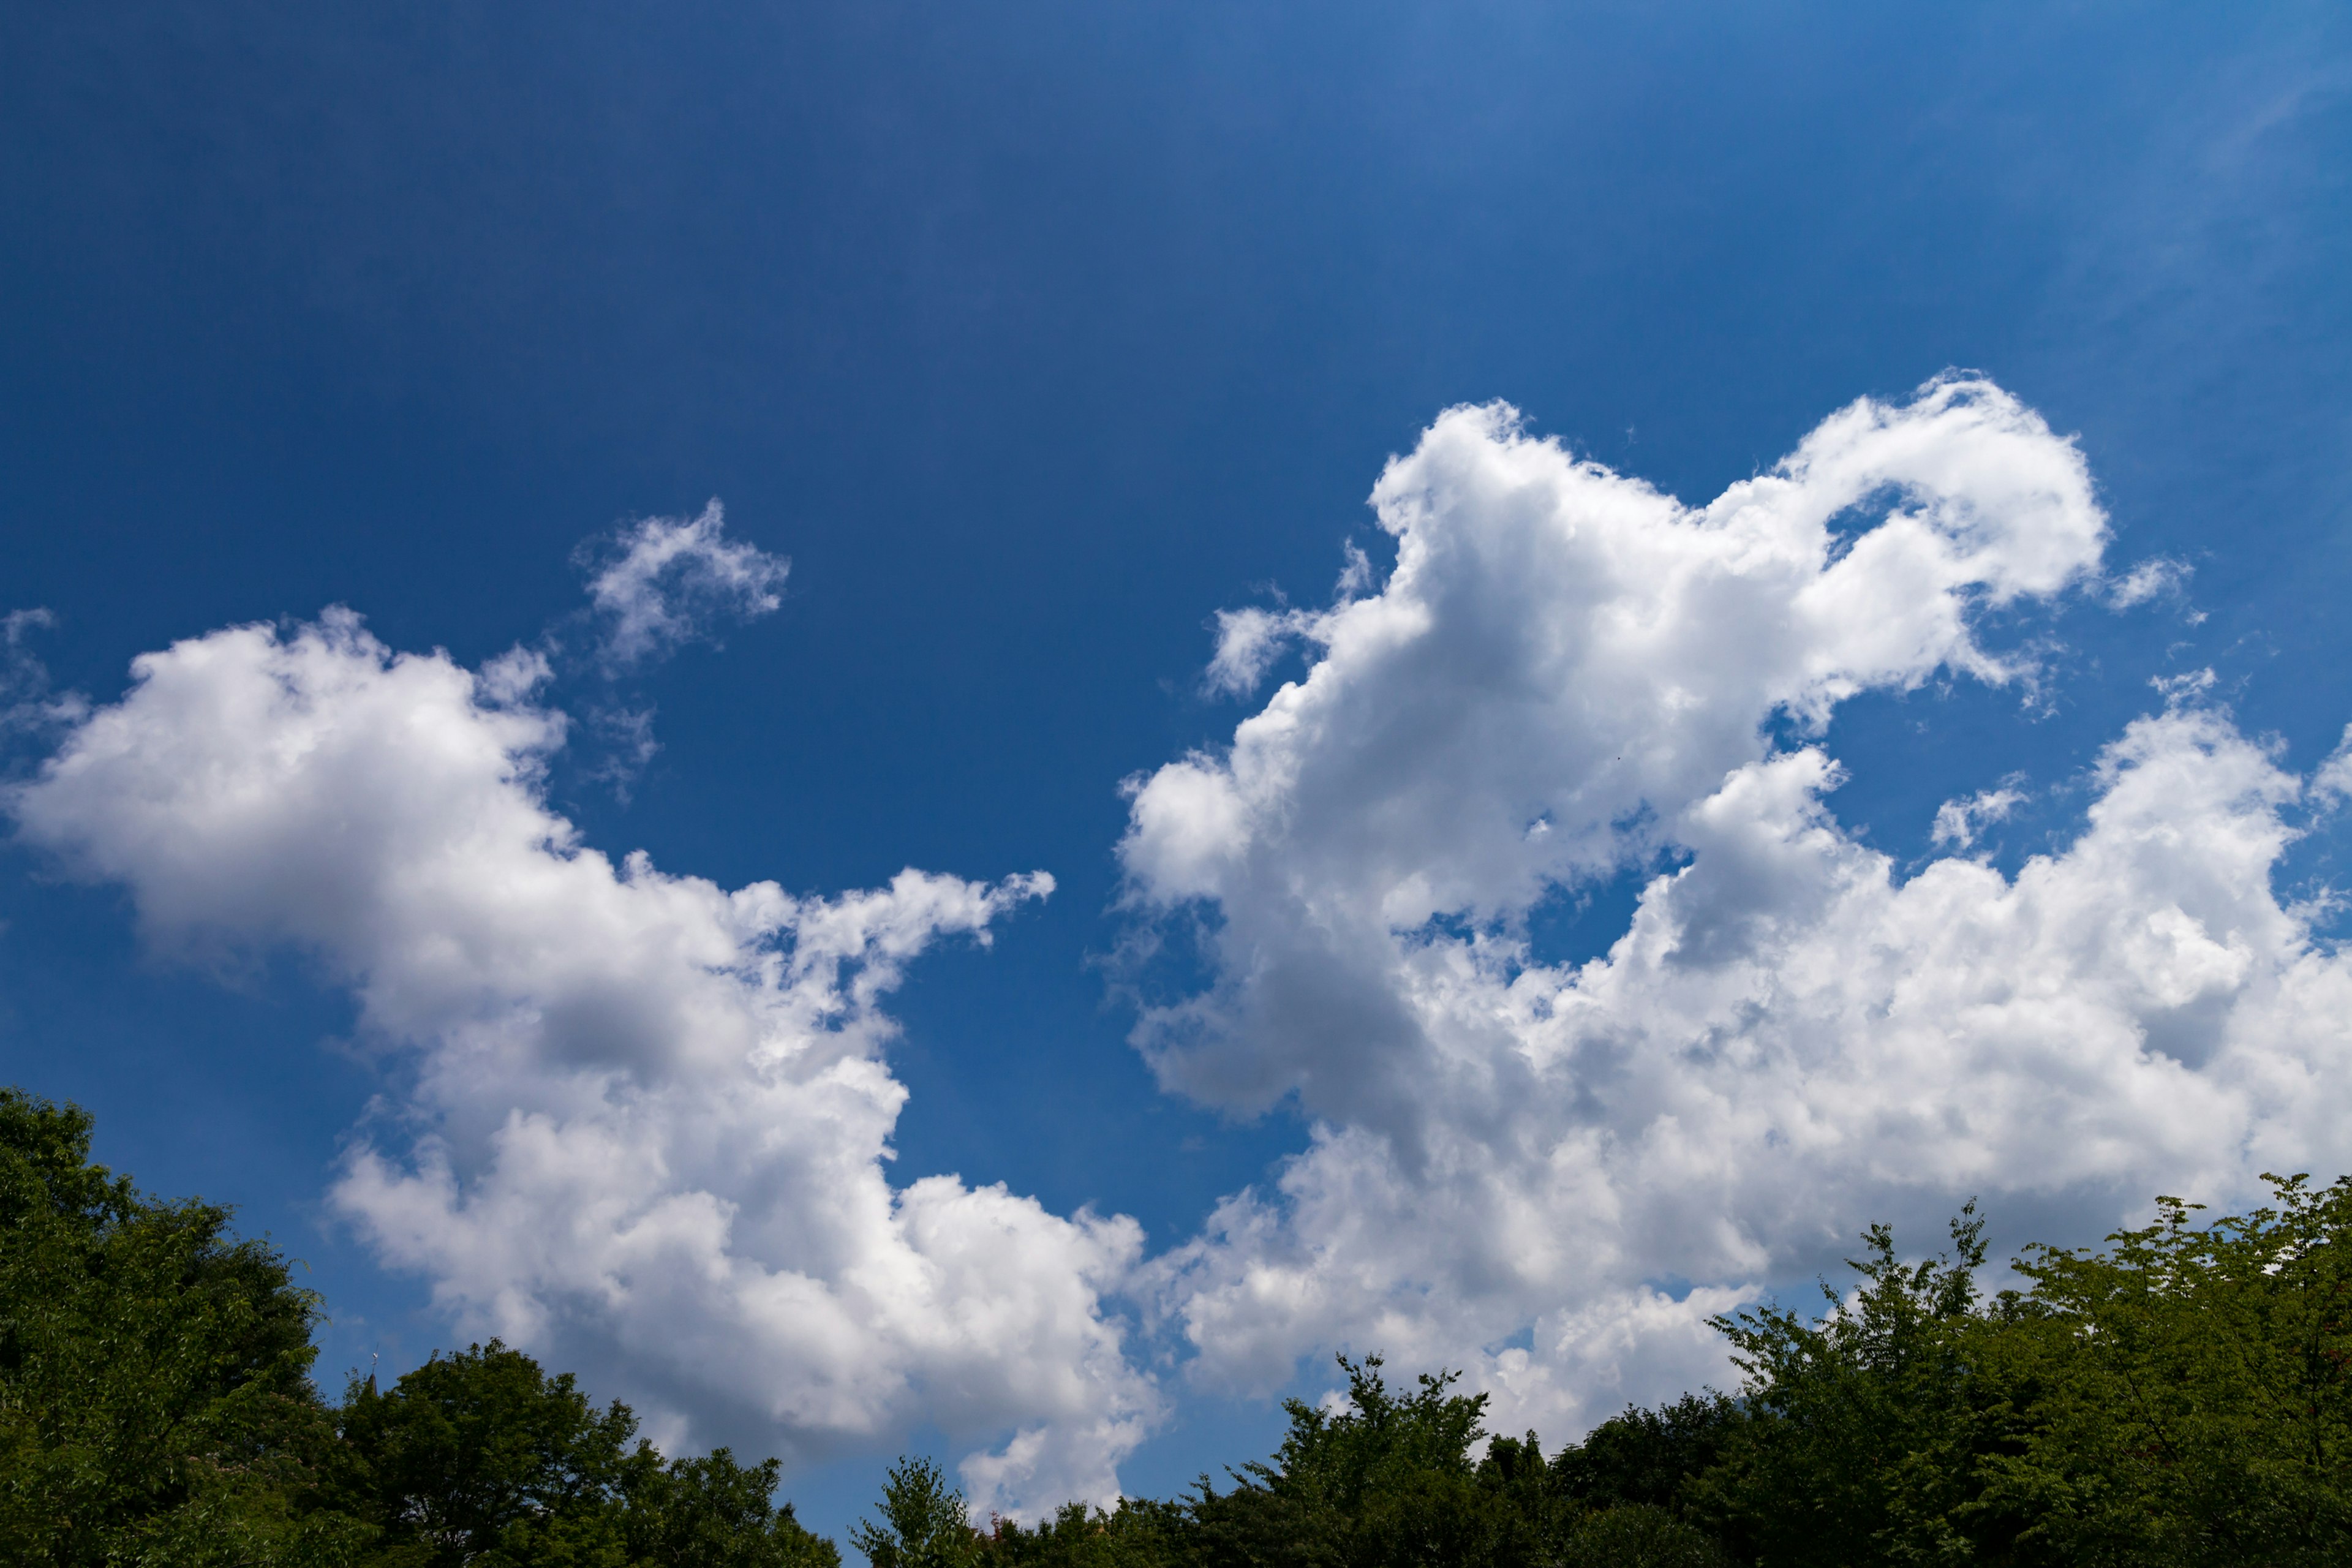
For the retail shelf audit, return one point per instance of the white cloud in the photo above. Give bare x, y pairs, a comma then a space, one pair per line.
18, 625
1562, 646
1957, 822
2332, 784
1248, 642
1553, 1173
646, 1118
514, 675
2158, 577
630, 747
1250, 639
668, 580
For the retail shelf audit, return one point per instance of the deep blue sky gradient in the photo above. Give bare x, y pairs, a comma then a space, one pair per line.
1035, 334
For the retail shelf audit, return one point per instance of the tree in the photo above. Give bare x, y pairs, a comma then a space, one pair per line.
2192, 1389
925, 1523
1640, 1535
1868, 1428
713, 1512
2179, 1398
155, 1397
480, 1457
1385, 1479
1650, 1457
1134, 1534
156, 1409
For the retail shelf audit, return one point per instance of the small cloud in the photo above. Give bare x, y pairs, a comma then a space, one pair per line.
2332, 785
1958, 822
629, 733
25, 702
664, 582
513, 676
2158, 577
2185, 688
1248, 641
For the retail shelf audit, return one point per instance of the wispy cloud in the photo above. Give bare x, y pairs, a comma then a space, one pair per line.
663, 582
2158, 577
1957, 822
2332, 784
27, 705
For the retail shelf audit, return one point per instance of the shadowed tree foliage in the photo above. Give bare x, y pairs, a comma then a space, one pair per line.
1640, 1535
1139, 1533
1650, 1456
1869, 1426
156, 1408
155, 1398
713, 1512
1385, 1478
482, 1459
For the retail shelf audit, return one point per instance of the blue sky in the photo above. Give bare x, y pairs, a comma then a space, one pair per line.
1035, 337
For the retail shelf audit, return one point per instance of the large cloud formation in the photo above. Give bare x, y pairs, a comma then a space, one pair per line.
1552, 1173
647, 1117
640, 1121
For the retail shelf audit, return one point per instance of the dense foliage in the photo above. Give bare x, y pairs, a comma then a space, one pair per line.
2180, 1398
156, 1407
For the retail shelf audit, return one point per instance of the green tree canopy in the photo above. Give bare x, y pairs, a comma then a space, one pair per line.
2190, 1389
156, 1408
924, 1524
155, 1397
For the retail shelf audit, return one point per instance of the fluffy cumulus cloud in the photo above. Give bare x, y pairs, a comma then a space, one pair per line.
646, 1118
1553, 1173
666, 581
641, 1121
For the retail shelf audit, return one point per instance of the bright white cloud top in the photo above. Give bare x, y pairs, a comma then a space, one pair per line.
646, 1119
1551, 1174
